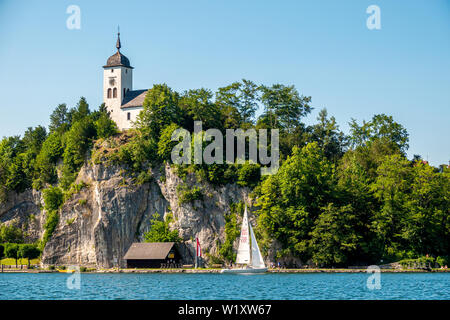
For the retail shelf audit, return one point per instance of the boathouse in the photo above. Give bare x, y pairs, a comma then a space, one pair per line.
153, 255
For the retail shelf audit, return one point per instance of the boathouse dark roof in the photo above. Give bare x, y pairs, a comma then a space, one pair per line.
145, 251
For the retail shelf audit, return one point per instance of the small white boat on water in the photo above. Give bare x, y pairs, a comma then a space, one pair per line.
248, 252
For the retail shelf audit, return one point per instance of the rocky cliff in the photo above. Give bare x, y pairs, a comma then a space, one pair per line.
98, 224
24, 211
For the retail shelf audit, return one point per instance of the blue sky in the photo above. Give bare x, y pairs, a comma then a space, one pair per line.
322, 47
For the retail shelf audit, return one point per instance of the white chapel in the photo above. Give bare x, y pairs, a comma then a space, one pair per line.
123, 103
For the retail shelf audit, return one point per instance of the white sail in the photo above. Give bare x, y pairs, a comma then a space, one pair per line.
243, 254
257, 260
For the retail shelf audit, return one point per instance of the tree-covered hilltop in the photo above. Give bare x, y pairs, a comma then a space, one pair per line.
336, 199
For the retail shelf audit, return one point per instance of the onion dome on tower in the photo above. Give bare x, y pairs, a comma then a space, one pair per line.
118, 59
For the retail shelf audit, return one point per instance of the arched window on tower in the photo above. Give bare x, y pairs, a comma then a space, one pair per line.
109, 93
124, 92
115, 93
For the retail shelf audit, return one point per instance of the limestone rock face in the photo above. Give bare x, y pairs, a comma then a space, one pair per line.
23, 211
98, 224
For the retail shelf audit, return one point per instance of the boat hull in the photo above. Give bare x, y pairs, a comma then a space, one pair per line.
244, 270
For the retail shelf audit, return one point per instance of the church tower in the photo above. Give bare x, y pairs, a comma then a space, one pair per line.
117, 82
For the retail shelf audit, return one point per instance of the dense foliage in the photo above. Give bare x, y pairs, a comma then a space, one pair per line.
337, 199
372, 206
11, 233
160, 231
19, 251
12, 244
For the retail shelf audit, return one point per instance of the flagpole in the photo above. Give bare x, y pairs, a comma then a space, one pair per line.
196, 253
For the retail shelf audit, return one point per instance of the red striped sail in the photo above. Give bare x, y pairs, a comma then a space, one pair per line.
199, 249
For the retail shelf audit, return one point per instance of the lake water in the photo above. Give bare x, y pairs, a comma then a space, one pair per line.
403, 286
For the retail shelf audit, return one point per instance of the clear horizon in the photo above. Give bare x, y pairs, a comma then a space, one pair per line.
324, 49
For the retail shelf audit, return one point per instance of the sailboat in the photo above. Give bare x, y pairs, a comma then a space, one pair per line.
248, 252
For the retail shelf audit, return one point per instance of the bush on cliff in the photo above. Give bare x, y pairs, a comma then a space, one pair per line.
232, 231
53, 198
104, 126
188, 194
50, 225
160, 231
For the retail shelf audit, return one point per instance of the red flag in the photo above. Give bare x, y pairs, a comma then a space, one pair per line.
199, 249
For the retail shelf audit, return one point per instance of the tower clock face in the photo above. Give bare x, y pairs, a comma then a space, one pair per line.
112, 81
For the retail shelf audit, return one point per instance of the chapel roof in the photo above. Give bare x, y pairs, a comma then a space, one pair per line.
134, 98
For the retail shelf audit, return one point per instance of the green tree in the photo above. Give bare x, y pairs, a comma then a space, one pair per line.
29, 252
354, 189
328, 136
53, 198
50, 225
34, 138
284, 107
160, 231
240, 101
196, 105
19, 173
392, 188
249, 97
80, 112
380, 127
78, 140
11, 251
160, 109
231, 233
11, 233
228, 102
413, 215
291, 200
59, 119
428, 221
51, 151
140, 151
105, 127
335, 240
249, 174
165, 144
13, 170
